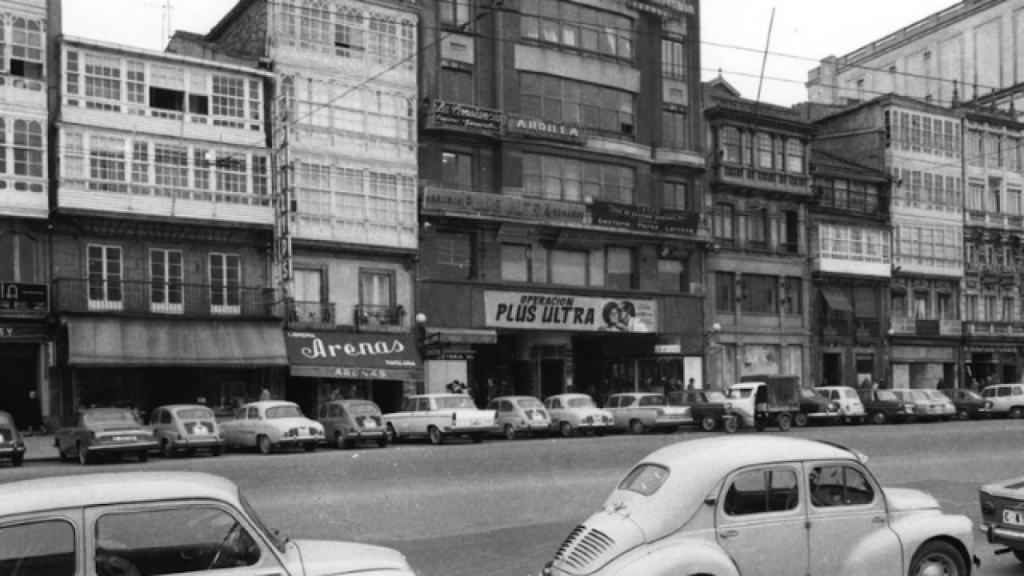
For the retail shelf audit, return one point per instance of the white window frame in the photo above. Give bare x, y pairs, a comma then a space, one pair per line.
107, 278
225, 307
171, 301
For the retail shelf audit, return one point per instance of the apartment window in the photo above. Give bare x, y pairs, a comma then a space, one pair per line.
747, 144
674, 132
946, 310
725, 292
791, 231
620, 268
228, 96
104, 273
975, 195
1007, 312
171, 165
1013, 201
926, 132
28, 148
898, 305
764, 151
382, 36
382, 197
259, 175
725, 217
675, 196
225, 283
107, 163
994, 203
568, 267
760, 294
201, 168
314, 23
922, 305
135, 82
457, 85
757, 228
602, 109
314, 189
672, 276
971, 307
792, 296
74, 153
794, 156
26, 48
71, 70
991, 304
453, 12
566, 179
377, 288
166, 276
577, 27
453, 255
515, 262
673, 59
349, 32
457, 170
102, 77
140, 162
231, 174
731, 145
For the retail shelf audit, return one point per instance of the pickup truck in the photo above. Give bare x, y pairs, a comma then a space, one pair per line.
437, 417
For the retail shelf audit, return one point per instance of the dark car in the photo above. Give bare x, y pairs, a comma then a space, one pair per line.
969, 404
11, 445
883, 406
1002, 515
815, 408
707, 407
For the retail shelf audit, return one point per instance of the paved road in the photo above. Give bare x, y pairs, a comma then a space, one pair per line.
502, 508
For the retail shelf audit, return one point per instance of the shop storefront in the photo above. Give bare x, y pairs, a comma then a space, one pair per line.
384, 368
990, 364
924, 366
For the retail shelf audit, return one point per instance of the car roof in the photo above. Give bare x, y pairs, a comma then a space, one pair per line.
350, 401
834, 388
173, 407
636, 394
267, 404
77, 490
440, 395
721, 454
745, 385
516, 397
569, 395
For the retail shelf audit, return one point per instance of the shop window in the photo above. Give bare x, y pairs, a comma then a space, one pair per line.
620, 268
457, 170
515, 262
672, 277
598, 108
377, 288
453, 256
725, 292
568, 267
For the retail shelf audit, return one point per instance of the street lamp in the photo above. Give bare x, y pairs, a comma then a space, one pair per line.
708, 335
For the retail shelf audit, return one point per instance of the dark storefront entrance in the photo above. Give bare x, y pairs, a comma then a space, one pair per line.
19, 363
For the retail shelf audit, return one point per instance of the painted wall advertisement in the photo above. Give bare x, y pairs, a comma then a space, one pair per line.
645, 218
569, 313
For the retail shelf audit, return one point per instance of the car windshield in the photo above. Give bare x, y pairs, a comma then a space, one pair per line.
716, 396
971, 395
810, 394
194, 414
653, 401
529, 403
849, 393
645, 479
455, 403
284, 412
581, 402
739, 392
5, 420
363, 409
110, 417
271, 535
887, 395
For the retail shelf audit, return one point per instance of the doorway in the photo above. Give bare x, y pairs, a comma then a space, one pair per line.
832, 370
552, 376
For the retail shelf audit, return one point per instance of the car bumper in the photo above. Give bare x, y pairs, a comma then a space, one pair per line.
999, 535
298, 440
125, 447
11, 451
671, 422
367, 434
532, 426
594, 425
466, 429
189, 443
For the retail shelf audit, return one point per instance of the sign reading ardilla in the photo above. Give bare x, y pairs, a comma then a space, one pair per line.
536, 128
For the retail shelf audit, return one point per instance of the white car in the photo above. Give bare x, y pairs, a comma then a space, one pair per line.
741, 396
272, 424
1007, 399
851, 409
186, 427
925, 407
638, 412
948, 408
519, 416
571, 413
763, 505
437, 417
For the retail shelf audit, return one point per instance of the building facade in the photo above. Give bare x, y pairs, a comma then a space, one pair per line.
345, 148
162, 228
758, 273
561, 206
26, 337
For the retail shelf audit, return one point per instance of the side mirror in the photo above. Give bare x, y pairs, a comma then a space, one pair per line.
710, 500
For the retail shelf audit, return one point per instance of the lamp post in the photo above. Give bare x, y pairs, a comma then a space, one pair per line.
708, 335
421, 343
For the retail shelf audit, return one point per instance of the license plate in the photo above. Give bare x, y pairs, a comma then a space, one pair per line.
369, 424
124, 438
200, 430
1015, 517
537, 417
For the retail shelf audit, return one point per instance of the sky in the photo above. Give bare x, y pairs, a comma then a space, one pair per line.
734, 32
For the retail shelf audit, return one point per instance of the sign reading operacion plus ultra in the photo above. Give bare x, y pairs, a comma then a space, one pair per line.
536, 128
568, 313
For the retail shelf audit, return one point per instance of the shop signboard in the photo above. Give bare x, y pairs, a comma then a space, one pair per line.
541, 129
24, 297
455, 115
500, 206
568, 313
358, 356
644, 218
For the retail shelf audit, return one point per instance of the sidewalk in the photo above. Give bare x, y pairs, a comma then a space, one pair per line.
39, 447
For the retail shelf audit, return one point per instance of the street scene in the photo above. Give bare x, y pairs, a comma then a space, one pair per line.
523, 287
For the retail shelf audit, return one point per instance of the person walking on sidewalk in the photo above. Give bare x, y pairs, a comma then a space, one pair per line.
34, 414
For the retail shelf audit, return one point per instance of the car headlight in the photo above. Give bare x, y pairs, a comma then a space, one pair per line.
988, 508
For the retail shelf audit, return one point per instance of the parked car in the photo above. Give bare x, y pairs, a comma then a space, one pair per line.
851, 410
573, 413
272, 424
1007, 399
12, 447
1002, 514
519, 415
815, 408
166, 522
882, 406
709, 408
925, 407
349, 422
186, 427
438, 417
763, 505
969, 404
765, 400
638, 412
104, 432
947, 407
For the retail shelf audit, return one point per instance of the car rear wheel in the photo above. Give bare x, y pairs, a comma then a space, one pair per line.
963, 415
217, 450
878, 417
264, 445
17, 460
731, 424
383, 441
341, 440
142, 456
83, 455
436, 436
708, 423
477, 438
800, 420
510, 432
1016, 412
166, 449
785, 422
636, 427
939, 558
566, 429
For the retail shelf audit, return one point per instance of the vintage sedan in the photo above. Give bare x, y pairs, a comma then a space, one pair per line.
1002, 514
882, 406
851, 410
12, 447
137, 523
272, 424
438, 417
638, 412
762, 505
186, 428
104, 432
572, 413
925, 407
350, 422
709, 408
947, 407
969, 404
519, 416
814, 407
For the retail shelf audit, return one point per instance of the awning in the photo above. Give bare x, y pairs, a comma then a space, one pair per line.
446, 336
158, 342
836, 299
360, 356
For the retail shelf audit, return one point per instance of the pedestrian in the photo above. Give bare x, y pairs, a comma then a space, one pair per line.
940, 384
692, 384
34, 414
875, 385
335, 394
264, 395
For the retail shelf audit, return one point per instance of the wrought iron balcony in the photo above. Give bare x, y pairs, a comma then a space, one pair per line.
835, 327
380, 318
133, 298
310, 315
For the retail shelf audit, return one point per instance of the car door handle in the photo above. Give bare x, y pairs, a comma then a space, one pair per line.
878, 520
729, 534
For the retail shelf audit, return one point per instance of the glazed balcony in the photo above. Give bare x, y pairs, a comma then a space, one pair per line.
310, 315
744, 177
133, 298
380, 318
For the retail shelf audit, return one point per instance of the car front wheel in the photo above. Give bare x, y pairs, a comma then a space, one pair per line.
937, 557
963, 415
800, 420
878, 417
1016, 412
636, 427
436, 436
510, 432
785, 421
263, 443
708, 423
566, 429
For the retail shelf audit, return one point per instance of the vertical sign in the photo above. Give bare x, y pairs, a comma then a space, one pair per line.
283, 202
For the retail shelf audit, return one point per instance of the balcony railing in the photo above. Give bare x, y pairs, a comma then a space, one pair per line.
380, 318
915, 327
132, 298
852, 200
994, 328
868, 328
836, 327
310, 315
780, 181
